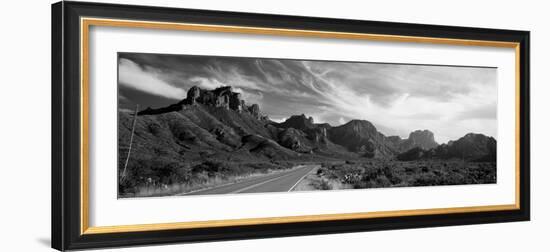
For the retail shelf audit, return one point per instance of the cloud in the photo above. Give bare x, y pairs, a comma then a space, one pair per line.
341, 120
206, 83
278, 120
485, 112
134, 76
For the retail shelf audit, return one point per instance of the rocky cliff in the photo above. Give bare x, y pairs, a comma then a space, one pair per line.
423, 139
222, 97
362, 137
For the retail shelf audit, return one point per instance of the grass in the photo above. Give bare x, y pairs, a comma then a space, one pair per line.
148, 179
152, 190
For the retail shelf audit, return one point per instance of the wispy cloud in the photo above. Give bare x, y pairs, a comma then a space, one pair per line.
134, 76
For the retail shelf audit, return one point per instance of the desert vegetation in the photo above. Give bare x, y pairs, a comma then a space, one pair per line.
387, 173
159, 177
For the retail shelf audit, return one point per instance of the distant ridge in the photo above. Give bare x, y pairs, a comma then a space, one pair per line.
470, 147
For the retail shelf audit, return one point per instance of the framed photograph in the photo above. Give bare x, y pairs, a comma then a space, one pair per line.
180, 125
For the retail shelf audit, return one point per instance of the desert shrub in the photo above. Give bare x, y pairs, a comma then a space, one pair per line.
323, 185
362, 184
392, 178
425, 180
218, 168
382, 181
425, 169
261, 167
375, 174
281, 164
320, 171
153, 172
351, 178
210, 167
482, 173
185, 135
371, 174
410, 170
154, 128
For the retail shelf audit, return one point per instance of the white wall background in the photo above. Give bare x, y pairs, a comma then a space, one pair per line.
25, 125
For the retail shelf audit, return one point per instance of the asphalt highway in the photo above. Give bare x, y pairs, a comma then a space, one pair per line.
277, 182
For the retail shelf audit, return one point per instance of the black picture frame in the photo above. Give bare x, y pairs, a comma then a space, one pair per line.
66, 125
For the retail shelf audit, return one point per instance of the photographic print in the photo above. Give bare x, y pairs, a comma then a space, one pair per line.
203, 125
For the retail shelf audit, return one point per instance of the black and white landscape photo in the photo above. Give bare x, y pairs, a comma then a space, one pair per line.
203, 125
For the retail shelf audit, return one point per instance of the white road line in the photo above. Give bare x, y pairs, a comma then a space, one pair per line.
204, 189
216, 187
259, 184
226, 184
292, 188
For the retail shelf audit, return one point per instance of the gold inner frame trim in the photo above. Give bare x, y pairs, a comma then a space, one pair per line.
290, 219
86, 23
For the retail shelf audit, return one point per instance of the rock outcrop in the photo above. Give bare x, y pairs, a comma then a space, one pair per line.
316, 134
300, 122
419, 138
295, 140
423, 139
222, 97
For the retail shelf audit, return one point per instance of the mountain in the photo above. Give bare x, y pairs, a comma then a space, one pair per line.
222, 97
207, 124
423, 139
218, 124
471, 147
361, 137
300, 122
420, 138
301, 134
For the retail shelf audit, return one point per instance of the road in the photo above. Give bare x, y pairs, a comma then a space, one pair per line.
277, 182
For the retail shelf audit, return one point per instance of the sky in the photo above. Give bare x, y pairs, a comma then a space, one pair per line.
450, 101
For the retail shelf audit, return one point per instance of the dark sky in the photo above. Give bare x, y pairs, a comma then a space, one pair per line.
397, 98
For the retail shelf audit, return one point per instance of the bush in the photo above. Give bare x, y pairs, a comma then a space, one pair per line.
152, 173
323, 185
217, 168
